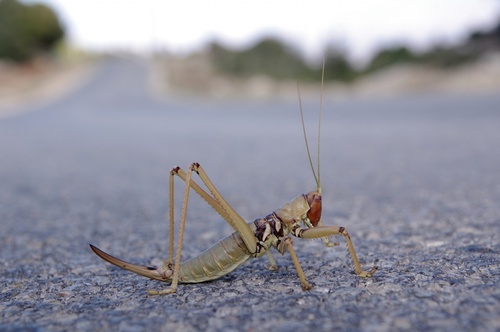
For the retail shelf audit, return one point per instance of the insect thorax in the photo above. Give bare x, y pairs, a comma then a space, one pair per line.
269, 232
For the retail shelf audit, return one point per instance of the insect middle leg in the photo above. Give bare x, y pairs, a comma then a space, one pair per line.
295, 260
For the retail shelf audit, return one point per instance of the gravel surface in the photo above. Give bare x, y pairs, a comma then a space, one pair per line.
415, 180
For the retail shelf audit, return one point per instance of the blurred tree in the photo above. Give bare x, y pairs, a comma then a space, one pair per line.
267, 57
447, 57
271, 57
442, 57
338, 67
391, 56
45, 26
27, 30
478, 43
488, 40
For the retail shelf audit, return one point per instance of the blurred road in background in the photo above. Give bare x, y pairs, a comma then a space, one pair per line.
414, 179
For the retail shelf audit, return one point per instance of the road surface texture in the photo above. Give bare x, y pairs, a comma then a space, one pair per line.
415, 180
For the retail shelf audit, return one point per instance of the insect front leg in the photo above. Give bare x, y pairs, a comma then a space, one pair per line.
318, 232
325, 239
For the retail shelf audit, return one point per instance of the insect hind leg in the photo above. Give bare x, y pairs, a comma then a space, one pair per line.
218, 203
175, 277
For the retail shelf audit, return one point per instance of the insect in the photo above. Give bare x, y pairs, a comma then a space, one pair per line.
300, 218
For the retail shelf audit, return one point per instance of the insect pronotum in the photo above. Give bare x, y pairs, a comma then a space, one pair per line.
301, 218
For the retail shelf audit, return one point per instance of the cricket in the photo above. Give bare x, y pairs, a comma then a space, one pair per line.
300, 218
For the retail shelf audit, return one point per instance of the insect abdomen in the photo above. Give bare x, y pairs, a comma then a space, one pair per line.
216, 261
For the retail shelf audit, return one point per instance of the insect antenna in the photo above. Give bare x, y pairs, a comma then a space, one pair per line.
316, 177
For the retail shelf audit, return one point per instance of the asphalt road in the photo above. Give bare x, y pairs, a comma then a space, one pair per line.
415, 180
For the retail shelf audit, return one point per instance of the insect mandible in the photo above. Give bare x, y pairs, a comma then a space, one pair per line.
301, 218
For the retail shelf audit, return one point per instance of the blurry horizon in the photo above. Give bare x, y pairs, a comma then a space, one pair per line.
359, 28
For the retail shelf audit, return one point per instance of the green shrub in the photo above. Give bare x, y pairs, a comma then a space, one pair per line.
27, 30
267, 57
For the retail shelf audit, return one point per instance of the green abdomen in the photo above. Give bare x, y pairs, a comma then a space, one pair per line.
216, 261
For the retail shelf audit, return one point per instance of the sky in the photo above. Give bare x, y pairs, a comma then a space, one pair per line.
357, 26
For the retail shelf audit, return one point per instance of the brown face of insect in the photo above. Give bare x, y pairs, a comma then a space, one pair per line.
314, 201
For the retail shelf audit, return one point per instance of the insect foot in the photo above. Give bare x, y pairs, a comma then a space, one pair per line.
162, 292
365, 274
